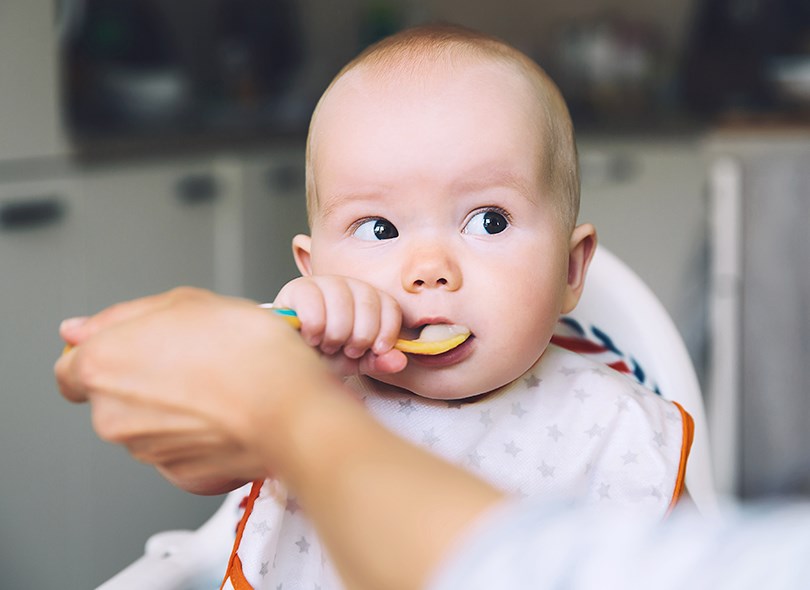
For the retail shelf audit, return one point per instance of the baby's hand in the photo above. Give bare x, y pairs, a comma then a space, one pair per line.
349, 321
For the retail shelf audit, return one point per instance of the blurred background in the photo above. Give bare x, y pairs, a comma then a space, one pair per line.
146, 144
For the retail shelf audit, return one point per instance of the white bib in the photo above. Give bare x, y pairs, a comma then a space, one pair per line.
569, 427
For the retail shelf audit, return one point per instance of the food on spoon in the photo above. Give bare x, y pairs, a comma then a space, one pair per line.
435, 339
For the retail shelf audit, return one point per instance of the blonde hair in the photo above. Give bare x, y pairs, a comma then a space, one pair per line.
411, 50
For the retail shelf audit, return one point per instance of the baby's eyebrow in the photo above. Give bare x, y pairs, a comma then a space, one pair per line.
493, 178
334, 201
476, 181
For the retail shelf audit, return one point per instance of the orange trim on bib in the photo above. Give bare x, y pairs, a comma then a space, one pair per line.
234, 572
236, 576
686, 446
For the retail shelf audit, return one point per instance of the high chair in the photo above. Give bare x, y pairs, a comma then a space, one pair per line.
617, 310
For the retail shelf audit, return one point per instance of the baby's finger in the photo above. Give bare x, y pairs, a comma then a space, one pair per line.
339, 302
390, 324
366, 327
306, 298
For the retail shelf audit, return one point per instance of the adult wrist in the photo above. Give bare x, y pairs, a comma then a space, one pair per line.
288, 422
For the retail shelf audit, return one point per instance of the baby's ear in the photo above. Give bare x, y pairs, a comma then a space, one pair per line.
580, 252
302, 247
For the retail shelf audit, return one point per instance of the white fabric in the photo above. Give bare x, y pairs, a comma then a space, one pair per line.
568, 428
537, 545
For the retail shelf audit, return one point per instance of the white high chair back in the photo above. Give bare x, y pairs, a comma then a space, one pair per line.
616, 305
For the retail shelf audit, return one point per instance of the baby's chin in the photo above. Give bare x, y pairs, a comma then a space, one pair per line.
436, 388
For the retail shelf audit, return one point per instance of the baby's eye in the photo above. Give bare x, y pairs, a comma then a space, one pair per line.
486, 222
376, 229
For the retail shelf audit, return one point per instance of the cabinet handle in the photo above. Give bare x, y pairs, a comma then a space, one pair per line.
197, 188
609, 169
285, 179
31, 213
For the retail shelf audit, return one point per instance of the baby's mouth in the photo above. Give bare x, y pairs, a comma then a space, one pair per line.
432, 339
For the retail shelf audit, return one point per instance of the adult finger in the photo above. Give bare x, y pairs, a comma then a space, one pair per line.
67, 378
74, 331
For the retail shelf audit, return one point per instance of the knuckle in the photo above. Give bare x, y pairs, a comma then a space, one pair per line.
363, 337
330, 345
185, 292
85, 370
338, 330
105, 426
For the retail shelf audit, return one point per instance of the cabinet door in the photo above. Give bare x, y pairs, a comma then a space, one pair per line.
40, 434
150, 227
647, 200
274, 210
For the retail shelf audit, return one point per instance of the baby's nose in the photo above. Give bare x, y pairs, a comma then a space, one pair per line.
431, 268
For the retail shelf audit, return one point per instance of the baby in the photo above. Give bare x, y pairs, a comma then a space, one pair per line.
442, 188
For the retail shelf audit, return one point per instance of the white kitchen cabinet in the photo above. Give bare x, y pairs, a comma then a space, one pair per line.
647, 199
149, 227
74, 238
71, 243
41, 439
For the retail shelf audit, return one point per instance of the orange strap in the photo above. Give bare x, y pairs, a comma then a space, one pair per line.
686, 446
234, 571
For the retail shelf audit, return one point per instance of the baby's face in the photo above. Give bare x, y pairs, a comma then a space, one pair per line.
432, 193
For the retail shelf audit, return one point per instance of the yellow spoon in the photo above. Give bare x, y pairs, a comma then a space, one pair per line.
435, 339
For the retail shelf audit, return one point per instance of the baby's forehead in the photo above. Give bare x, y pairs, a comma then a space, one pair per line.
435, 103
431, 76
383, 88
387, 86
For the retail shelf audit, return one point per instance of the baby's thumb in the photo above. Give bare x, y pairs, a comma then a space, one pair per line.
392, 361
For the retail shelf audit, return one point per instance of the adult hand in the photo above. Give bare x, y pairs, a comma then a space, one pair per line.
199, 385
215, 392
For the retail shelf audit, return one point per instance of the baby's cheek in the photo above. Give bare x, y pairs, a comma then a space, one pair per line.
526, 342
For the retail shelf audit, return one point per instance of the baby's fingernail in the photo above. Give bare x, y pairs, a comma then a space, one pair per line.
72, 323
353, 352
381, 346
